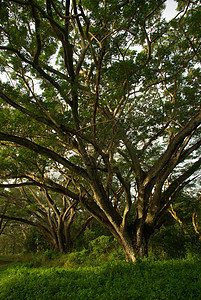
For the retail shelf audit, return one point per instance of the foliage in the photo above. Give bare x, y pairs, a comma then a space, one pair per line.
177, 238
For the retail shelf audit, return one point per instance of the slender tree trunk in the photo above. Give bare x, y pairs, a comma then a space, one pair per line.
13, 245
68, 241
61, 237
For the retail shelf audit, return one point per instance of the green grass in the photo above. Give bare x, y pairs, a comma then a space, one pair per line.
146, 279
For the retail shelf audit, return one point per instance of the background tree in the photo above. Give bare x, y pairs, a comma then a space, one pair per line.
50, 214
11, 238
118, 121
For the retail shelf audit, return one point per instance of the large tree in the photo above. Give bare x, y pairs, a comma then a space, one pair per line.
105, 93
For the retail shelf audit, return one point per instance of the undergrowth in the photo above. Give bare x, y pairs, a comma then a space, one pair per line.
146, 279
99, 272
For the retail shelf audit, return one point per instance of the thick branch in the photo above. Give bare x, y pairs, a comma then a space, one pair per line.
40, 182
22, 220
42, 119
44, 151
39, 69
38, 39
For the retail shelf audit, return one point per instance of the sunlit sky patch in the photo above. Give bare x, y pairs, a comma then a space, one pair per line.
170, 11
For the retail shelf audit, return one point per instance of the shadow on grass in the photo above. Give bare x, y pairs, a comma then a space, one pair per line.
4, 260
175, 279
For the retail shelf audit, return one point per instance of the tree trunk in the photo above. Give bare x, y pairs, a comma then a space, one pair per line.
135, 243
68, 242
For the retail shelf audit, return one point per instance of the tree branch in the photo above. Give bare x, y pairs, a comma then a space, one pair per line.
43, 151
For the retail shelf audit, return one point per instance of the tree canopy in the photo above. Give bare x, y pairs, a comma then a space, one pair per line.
100, 102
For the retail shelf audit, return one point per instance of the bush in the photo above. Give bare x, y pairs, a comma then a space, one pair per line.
102, 244
103, 249
75, 259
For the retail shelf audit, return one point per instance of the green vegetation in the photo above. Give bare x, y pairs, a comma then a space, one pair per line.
146, 279
98, 272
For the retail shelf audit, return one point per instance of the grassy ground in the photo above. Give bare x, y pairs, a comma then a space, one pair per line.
6, 259
46, 277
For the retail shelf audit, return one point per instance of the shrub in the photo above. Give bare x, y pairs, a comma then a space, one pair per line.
102, 244
75, 259
193, 249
